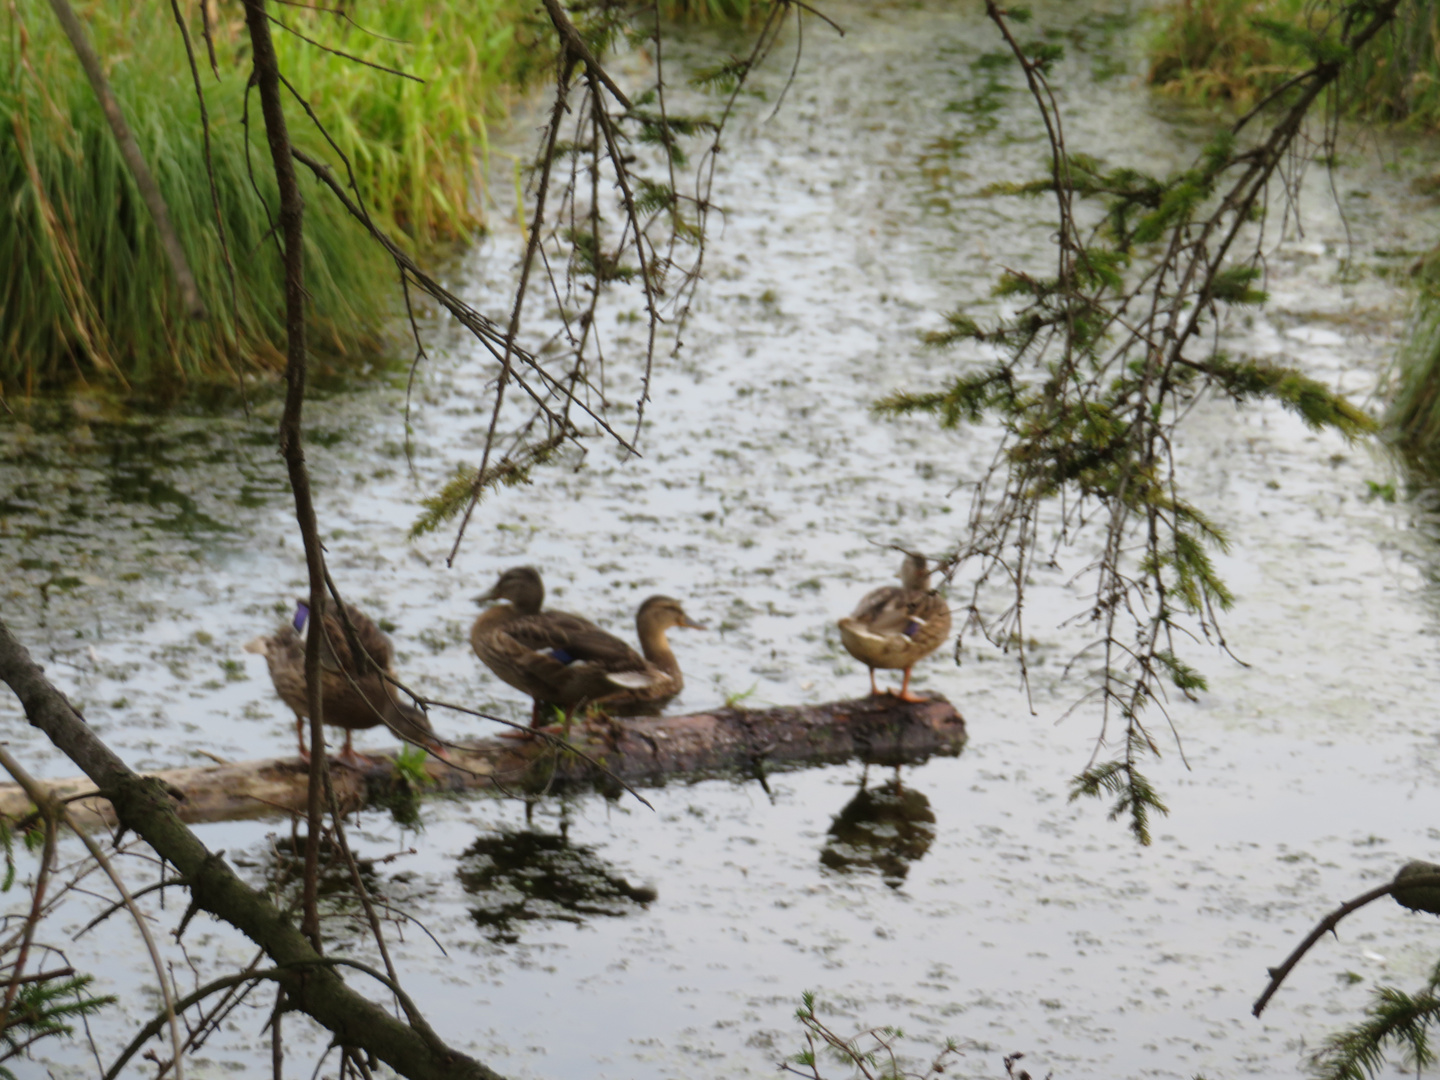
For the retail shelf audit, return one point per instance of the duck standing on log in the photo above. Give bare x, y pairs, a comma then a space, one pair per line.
567, 661
354, 693
656, 616
896, 627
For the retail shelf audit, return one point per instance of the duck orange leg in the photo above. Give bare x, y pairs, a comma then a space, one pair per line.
537, 720
874, 690
349, 757
904, 693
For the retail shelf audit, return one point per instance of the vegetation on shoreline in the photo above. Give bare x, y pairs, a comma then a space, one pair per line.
1240, 51
1413, 417
89, 294
743, 12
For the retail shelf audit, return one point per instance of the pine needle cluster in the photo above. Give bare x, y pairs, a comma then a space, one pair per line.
1091, 372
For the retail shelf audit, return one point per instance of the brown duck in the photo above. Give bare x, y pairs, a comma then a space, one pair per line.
354, 694
656, 616
566, 660
897, 627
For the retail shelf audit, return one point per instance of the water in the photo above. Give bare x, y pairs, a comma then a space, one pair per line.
147, 551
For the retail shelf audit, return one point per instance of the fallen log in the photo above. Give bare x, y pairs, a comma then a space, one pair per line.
637, 751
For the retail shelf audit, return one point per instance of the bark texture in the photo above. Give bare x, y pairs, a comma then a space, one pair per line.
638, 751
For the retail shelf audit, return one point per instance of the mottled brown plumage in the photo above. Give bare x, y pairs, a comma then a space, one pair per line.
656, 615
354, 694
895, 627
566, 660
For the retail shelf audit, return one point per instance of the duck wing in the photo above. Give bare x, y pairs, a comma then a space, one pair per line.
337, 652
562, 659
570, 639
893, 627
356, 695
885, 610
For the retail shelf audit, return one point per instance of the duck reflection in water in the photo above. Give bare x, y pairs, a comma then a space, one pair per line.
884, 828
523, 875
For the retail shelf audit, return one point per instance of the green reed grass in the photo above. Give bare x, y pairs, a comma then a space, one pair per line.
1212, 50
742, 12
1414, 415
87, 293
1216, 50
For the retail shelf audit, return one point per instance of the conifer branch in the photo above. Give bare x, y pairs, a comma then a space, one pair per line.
1091, 380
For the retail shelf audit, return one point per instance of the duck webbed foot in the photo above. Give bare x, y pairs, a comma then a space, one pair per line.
351, 760
540, 721
905, 693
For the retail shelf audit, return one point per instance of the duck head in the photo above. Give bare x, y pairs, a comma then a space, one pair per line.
521, 585
660, 613
914, 574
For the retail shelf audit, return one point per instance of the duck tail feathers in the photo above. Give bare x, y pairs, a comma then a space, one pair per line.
631, 680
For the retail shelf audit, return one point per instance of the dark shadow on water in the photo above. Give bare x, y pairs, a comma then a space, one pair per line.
519, 876
281, 868
883, 829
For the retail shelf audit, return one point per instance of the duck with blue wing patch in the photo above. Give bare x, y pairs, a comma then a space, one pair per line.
895, 627
567, 661
354, 693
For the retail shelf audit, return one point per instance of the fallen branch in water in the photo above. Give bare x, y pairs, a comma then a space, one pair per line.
646, 750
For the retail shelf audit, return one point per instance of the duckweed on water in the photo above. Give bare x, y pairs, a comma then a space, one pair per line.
1028, 922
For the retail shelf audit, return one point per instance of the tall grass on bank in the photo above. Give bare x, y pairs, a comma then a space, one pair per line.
743, 12
418, 147
1414, 414
1239, 50
1413, 419
86, 291
1214, 50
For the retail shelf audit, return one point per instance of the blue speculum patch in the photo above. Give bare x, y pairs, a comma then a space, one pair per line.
563, 656
302, 612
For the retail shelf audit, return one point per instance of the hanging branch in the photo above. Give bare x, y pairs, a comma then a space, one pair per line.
1091, 380
1415, 876
266, 77
55, 814
606, 221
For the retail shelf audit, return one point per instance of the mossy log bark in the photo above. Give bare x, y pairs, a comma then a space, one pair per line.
637, 751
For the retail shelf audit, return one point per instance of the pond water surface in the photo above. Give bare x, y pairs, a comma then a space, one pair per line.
591, 938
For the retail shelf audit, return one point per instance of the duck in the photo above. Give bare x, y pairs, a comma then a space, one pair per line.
896, 627
354, 695
566, 660
655, 616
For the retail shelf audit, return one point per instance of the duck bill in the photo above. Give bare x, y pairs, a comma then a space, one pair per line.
691, 624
